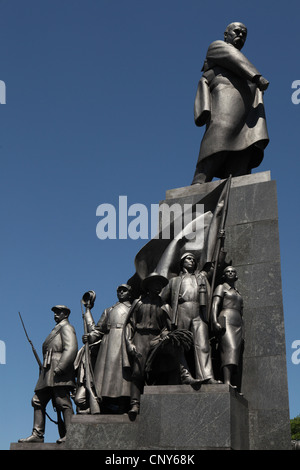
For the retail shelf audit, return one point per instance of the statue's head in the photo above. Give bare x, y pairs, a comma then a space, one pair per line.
230, 274
124, 292
60, 312
188, 261
236, 34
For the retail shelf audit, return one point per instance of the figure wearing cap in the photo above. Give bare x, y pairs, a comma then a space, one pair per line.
57, 378
146, 319
187, 294
112, 368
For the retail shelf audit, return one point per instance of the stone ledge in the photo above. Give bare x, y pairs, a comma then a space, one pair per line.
207, 187
100, 419
204, 388
36, 446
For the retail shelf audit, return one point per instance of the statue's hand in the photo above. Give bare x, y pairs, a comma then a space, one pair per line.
217, 327
85, 338
262, 83
133, 352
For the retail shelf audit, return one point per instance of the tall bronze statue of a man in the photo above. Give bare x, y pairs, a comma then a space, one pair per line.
229, 101
57, 377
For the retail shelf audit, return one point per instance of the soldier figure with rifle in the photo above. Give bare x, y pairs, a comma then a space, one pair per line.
56, 379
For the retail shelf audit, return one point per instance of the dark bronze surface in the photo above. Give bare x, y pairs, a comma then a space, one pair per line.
229, 101
57, 377
227, 322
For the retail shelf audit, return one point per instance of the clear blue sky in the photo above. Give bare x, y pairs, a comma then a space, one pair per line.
99, 104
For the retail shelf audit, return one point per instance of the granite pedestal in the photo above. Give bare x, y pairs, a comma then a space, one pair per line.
252, 243
175, 417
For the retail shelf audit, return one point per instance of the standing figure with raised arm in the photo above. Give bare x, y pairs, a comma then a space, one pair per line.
111, 367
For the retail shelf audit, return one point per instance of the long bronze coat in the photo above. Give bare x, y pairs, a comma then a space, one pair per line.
59, 350
112, 368
230, 104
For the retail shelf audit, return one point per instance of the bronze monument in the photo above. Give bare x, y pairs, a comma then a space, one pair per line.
111, 367
229, 101
188, 296
57, 378
227, 321
146, 319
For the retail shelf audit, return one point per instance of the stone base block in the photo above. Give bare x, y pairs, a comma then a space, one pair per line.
171, 417
36, 446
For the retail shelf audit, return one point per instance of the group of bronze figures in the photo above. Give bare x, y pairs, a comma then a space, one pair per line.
167, 336
180, 330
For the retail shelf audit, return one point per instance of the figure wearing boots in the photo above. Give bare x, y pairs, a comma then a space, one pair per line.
187, 294
56, 379
146, 319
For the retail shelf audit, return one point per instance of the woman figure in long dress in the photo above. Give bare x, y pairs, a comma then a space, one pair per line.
227, 322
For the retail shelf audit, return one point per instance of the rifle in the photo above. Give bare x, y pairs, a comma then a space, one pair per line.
32, 347
89, 382
60, 423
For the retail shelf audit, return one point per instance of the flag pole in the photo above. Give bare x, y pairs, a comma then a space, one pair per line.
221, 235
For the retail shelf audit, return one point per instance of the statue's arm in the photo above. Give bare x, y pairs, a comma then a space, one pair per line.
95, 332
216, 307
130, 330
227, 56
